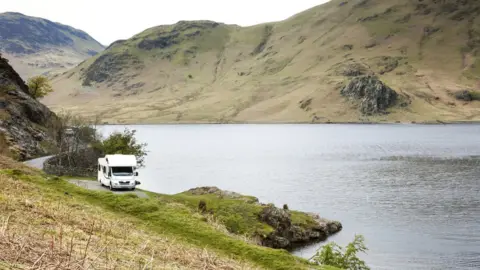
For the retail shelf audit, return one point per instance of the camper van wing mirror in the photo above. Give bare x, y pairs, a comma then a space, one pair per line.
109, 174
136, 173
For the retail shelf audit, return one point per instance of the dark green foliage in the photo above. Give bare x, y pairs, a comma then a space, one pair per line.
124, 143
39, 86
467, 95
202, 206
332, 254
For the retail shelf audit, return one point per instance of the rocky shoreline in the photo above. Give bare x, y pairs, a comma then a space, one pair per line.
288, 235
281, 228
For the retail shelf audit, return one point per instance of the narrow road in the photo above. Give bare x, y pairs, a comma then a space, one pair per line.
87, 184
95, 185
37, 163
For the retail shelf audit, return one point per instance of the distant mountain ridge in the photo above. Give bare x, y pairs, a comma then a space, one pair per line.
39, 46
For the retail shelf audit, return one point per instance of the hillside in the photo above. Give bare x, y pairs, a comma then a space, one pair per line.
35, 46
25, 123
344, 61
75, 228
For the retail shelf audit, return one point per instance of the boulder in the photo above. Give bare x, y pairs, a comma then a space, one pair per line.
276, 217
286, 234
374, 96
275, 241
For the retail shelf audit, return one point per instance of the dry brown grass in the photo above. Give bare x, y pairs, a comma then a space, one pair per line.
9, 163
39, 231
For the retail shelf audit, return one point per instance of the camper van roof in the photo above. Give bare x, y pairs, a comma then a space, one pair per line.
121, 160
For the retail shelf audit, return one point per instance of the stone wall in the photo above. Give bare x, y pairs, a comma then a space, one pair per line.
70, 171
82, 163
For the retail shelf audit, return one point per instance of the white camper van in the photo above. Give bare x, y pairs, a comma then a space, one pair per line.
118, 171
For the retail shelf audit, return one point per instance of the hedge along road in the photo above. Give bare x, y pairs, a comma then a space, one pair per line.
87, 184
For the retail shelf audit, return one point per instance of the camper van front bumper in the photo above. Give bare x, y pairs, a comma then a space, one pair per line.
124, 184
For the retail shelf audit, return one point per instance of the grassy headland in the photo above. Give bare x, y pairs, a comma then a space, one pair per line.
47, 222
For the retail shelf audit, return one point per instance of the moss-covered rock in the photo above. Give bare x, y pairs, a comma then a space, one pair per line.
243, 215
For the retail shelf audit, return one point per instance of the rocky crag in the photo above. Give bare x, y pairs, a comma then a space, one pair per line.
372, 94
24, 122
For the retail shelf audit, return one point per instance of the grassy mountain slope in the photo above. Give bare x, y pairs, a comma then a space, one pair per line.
35, 45
289, 71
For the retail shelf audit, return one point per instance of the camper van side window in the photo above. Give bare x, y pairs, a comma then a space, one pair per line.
99, 167
104, 169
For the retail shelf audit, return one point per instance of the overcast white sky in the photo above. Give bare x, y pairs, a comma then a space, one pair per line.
110, 20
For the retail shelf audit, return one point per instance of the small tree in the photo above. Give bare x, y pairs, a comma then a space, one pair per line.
345, 258
124, 143
39, 86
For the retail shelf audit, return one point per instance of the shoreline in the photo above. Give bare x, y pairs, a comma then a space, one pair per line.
426, 123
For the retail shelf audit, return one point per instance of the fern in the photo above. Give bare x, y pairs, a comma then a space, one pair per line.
332, 254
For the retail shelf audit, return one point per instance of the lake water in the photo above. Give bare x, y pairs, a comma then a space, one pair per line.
413, 191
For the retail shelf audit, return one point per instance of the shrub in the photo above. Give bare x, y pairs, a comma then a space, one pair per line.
475, 95
124, 143
346, 258
39, 86
467, 95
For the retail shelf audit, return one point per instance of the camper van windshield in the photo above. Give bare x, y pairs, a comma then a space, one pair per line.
122, 171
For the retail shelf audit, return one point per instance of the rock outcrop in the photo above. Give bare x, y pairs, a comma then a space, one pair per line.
374, 96
24, 122
270, 226
287, 234
467, 95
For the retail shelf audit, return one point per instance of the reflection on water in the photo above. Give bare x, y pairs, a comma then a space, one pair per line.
412, 191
